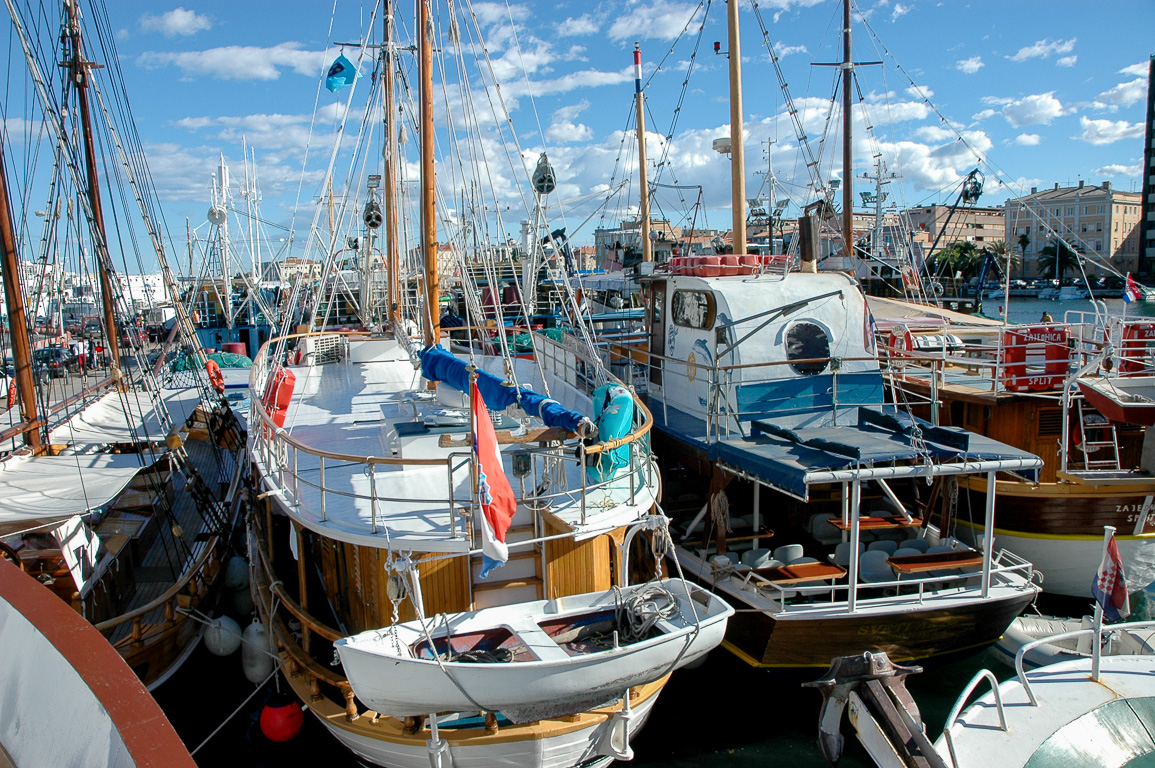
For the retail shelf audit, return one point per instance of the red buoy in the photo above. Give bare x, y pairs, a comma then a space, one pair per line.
281, 719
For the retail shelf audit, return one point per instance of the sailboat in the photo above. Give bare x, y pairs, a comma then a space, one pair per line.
814, 496
113, 498
395, 472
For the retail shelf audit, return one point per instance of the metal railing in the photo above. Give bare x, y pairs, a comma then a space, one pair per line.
280, 452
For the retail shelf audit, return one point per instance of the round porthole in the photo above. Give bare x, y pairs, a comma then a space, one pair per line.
807, 341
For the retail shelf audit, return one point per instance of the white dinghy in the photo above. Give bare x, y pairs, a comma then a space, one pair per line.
538, 659
1030, 628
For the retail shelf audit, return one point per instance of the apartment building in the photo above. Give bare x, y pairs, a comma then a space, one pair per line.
981, 226
1101, 220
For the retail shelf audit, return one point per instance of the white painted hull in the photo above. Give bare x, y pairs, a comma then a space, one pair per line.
551, 683
565, 750
1068, 564
1027, 629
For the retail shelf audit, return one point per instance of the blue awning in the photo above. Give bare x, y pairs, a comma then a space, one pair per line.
876, 444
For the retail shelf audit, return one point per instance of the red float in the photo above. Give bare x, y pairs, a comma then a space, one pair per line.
281, 719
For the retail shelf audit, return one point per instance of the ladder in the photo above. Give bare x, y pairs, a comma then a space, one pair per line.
1096, 433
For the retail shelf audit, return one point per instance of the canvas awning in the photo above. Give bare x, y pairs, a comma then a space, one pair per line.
51, 487
876, 445
117, 417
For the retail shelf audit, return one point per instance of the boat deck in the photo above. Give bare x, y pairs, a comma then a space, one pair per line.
420, 496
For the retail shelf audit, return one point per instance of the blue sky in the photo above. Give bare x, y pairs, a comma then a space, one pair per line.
1047, 92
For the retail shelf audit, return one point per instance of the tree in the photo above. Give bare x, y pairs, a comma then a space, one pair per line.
1004, 259
960, 259
1024, 241
1058, 259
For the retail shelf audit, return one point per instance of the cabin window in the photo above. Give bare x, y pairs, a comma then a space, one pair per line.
807, 341
693, 309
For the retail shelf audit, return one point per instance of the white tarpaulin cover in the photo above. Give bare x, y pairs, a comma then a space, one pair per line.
118, 417
43, 487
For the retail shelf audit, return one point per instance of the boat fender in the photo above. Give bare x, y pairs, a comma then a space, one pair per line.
614, 417
281, 718
216, 378
11, 394
237, 573
256, 653
223, 637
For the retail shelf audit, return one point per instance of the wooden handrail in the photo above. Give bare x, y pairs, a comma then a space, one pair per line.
306, 619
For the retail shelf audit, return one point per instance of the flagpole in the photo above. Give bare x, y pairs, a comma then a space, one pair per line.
1096, 649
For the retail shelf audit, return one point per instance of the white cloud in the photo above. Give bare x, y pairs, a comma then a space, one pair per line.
1122, 95
1137, 70
237, 62
564, 130
984, 114
1044, 49
969, 66
490, 14
1028, 139
787, 50
1039, 108
898, 11
1108, 131
663, 21
176, 22
919, 92
1116, 169
935, 133
582, 25
1067, 61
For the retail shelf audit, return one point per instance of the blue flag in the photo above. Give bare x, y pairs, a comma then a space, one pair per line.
341, 73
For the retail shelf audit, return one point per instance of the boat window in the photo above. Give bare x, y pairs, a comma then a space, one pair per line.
693, 309
807, 341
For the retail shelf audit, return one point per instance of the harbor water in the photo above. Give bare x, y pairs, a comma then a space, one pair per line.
721, 713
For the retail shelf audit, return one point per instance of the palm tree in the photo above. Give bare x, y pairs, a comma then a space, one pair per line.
998, 249
1057, 259
1024, 241
961, 259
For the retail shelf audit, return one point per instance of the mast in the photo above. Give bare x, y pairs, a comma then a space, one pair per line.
79, 69
643, 183
737, 155
389, 191
432, 320
847, 141
17, 321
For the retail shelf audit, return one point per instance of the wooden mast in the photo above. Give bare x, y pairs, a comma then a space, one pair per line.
847, 141
17, 321
389, 190
79, 69
428, 202
737, 155
643, 183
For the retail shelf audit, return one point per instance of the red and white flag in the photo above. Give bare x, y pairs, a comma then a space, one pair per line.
1110, 584
1133, 291
494, 494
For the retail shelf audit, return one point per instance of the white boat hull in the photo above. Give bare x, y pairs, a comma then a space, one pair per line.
1027, 629
552, 681
562, 749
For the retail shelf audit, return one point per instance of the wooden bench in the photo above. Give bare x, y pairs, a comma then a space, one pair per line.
938, 561
872, 523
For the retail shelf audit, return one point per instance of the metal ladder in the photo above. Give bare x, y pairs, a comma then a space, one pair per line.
1091, 422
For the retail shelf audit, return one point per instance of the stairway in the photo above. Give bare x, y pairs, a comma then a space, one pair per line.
519, 580
1097, 434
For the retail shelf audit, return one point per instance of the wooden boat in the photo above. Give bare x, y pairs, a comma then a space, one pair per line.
112, 718
1014, 385
1123, 399
119, 497
1029, 628
368, 470
1092, 710
538, 659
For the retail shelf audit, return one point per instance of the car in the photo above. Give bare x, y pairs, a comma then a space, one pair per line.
52, 362
132, 336
92, 328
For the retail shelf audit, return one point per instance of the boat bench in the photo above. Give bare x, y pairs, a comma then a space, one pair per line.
937, 561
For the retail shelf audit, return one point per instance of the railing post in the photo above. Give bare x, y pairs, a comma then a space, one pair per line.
373, 492
322, 484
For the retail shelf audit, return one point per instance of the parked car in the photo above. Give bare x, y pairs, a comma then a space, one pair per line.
52, 362
92, 328
132, 337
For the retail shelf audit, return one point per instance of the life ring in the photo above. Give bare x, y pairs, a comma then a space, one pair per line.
901, 341
216, 378
1134, 355
1056, 355
935, 289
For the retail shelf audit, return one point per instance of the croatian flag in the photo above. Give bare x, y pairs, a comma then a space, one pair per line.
1133, 291
1110, 585
494, 493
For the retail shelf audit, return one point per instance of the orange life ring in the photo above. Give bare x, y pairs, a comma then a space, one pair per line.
1056, 356
1134, 356
901, 341
216, 378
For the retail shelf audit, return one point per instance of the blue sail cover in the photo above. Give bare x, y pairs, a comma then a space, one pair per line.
439, 365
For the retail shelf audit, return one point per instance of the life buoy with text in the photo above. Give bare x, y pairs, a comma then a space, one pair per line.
901, 341
1051, 341
1135, 355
